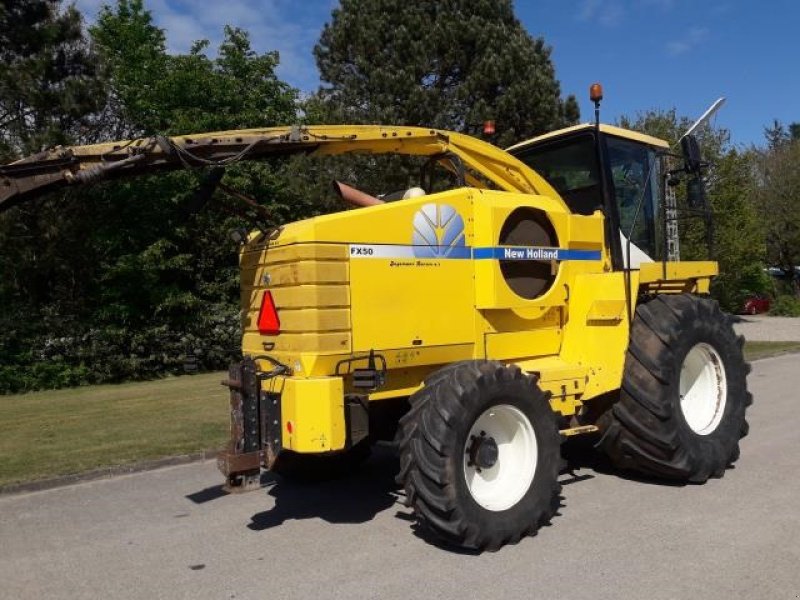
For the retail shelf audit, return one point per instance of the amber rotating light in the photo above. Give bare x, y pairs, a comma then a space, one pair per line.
596, 95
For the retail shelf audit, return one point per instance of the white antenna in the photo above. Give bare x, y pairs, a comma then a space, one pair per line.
705, 117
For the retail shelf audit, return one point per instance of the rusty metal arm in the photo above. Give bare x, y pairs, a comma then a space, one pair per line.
79, 165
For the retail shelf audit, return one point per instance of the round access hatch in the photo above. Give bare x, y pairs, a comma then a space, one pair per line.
528, 227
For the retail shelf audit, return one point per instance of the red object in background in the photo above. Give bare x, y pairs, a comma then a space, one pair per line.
756, 304
488, 128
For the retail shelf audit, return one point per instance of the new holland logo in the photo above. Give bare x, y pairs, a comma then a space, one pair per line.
438, 232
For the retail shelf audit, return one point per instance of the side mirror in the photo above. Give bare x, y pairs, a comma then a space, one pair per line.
691, 154
696, 192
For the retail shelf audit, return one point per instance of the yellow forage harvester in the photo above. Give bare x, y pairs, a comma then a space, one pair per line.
537, 294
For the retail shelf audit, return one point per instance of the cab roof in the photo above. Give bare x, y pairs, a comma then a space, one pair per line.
609, 129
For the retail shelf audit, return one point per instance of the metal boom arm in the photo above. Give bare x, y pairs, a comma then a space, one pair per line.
77, 165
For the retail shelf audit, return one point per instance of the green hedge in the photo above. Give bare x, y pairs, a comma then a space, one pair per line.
113, 354
785, 306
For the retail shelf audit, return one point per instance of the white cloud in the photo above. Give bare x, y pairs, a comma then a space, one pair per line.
694, 37
608, 13
283, 25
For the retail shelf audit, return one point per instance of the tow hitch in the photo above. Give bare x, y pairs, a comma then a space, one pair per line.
255, 426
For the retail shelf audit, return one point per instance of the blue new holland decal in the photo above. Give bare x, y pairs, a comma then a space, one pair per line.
394, 251
533, 253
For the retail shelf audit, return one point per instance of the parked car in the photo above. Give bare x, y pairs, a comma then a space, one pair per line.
755, 304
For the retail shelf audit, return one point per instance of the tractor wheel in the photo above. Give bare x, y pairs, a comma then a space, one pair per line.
480, 455
681, 411
298, 467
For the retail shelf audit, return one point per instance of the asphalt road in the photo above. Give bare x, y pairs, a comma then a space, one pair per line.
171, 534
763, 328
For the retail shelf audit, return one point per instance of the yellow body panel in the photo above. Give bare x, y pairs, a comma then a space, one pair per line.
315, 319
655, 272
628, 134
302, 273
331, 342
315, 409
538, 342
406, 307
311, 296
598, 345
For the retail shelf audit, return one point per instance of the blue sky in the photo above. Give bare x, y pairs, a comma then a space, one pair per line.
647, 53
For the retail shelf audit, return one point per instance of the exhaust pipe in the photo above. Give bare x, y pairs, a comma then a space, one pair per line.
353, 196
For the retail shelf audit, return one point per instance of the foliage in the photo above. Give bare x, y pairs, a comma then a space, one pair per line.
448, 64
738, 228
48, 81
161, 93
778, 168
778, 134
124, 280
785, 306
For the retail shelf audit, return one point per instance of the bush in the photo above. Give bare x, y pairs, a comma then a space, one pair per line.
37, 358
733, 286
785, 306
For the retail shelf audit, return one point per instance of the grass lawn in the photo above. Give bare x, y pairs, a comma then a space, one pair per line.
755, 350
51, 433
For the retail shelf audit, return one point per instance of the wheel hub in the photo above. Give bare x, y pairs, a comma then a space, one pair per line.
703, 389
500, 456
483, 451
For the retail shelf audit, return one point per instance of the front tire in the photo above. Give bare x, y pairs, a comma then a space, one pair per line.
480, 455
681, 411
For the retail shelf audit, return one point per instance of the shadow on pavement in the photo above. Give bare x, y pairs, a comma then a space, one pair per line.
372, 489
218, 491
207, 495
426, 536
354, 499
580, 453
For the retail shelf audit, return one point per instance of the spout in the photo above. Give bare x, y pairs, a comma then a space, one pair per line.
353, 196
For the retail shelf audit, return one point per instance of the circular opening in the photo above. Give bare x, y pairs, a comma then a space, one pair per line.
528, 227
703, 389
504, 479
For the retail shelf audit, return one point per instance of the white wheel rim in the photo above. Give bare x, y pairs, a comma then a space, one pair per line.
502, 485
703, 389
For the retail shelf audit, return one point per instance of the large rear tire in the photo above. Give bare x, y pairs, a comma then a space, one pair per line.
681, 411
480, 455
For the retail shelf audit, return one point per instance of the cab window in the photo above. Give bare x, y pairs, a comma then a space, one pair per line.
570, 166
634, 177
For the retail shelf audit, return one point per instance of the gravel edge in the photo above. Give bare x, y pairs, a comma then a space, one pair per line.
106, 473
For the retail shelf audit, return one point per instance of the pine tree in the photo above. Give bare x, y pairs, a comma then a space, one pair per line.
450, 64
776, 135
48, 80
794, 131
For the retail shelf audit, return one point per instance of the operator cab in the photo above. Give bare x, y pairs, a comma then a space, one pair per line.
609, 169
